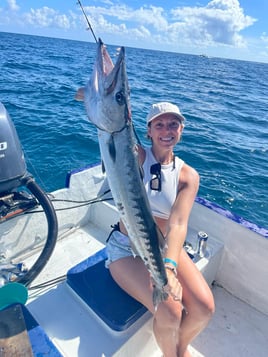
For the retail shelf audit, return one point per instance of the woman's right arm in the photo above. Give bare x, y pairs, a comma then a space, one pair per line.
141, 154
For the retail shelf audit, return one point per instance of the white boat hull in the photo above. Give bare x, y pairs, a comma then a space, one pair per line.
236, 263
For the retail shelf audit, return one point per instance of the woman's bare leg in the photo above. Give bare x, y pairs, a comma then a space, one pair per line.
173, 329
198, 302
131, 274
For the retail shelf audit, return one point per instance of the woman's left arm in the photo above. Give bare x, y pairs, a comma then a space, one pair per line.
180, 212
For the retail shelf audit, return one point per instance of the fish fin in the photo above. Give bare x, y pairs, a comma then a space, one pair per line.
111, 147
103, 167
134, 250
141, 172
159, 296
80, 94
161, 240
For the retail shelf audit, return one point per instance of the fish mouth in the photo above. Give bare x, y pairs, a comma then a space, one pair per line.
109, 71
106, 94
112, 82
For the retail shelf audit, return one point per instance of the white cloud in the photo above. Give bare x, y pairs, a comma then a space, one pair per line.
12, 5
264, 37
47, 17
264, 41
219, 22
149, 16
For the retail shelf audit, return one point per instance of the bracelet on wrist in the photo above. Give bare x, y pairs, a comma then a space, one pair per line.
170, 261
173, 269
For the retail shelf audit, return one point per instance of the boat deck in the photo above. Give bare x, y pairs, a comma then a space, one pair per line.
235, 330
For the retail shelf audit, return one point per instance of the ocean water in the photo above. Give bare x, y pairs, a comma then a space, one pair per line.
225, 102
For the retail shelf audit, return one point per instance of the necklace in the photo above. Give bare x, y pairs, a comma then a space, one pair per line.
167, 162
173, 161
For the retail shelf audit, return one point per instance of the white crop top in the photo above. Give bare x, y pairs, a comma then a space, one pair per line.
162, 201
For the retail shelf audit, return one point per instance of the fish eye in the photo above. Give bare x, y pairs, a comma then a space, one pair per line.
120, 98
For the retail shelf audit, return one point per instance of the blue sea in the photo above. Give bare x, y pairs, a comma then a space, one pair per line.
225, 102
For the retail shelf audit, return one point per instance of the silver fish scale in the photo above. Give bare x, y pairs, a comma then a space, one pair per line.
132, 204
107, 105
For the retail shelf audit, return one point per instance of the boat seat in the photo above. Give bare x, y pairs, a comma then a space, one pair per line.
93, 283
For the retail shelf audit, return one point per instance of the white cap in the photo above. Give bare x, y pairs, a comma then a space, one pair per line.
163, 108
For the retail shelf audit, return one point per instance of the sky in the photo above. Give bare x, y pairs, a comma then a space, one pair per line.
217, 28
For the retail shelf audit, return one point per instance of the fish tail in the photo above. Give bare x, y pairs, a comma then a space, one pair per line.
159, 295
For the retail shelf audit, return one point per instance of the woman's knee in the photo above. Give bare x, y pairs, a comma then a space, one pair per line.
209, 304
169, 314
208, 310
203, 309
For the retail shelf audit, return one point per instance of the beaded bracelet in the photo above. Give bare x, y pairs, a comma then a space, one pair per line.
167, 260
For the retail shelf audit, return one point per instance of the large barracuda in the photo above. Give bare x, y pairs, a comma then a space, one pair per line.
106, 98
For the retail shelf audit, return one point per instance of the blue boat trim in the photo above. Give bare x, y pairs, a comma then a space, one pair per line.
93, 283
234, 217
90, 261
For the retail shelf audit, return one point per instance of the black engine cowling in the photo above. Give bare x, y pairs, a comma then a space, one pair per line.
12, 163
14, 177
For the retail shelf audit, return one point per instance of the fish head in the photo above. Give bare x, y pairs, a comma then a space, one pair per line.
106, 95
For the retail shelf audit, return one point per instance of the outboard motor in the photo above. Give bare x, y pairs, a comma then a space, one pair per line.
15, 201
12, 163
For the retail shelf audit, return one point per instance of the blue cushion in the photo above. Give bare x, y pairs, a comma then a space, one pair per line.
92, 281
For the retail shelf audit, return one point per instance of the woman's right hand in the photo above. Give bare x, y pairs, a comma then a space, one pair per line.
173, 286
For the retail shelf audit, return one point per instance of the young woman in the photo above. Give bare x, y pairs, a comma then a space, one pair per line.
190, 305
